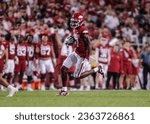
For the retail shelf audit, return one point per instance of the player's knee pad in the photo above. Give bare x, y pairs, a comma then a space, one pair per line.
43, 77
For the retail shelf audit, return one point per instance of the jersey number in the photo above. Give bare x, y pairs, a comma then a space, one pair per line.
45, 51
12, 50
30, 52
21, 52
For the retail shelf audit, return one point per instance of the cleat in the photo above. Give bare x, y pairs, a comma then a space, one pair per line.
63, 93
43, 88
12, 91
30, 89
100, 70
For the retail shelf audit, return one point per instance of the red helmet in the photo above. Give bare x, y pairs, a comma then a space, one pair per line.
77, 20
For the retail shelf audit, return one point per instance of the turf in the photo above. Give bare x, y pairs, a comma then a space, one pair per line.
99, 98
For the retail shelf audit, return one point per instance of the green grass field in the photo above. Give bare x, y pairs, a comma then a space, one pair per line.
99, 98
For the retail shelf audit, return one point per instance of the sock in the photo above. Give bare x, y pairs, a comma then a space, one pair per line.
29, 85
96, 69
10, 87
64, 88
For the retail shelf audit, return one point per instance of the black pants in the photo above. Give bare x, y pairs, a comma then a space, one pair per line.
146, 71
115, 79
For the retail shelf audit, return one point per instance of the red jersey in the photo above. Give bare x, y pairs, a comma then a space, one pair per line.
103, 52
81, 48
30, 51
45, 50
2, 48
11, 50
21, 51
115, 62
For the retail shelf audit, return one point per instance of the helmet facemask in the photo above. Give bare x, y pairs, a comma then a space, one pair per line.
74, 23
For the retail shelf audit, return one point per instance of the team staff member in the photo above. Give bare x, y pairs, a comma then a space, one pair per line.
145, 59
114, 67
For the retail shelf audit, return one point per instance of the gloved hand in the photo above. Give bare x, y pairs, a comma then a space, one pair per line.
70, 40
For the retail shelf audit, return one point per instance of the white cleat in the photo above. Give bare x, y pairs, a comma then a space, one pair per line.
43, 88
81, 88
52, 88
12, 91
30, 89
134, 89
87, 88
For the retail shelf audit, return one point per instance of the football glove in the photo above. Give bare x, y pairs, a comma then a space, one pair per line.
70, 40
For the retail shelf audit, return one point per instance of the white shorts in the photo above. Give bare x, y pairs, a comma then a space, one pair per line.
87, 65
105, 68
73, 59
30, 68
10, 66
46, 66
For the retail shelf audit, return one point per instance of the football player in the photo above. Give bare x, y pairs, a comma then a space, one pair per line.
11, 57
45, 53
3, 65
31, 69
20, 61
81, 38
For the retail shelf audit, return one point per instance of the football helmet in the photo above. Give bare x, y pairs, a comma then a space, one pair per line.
77, 20
20, 38
29, 38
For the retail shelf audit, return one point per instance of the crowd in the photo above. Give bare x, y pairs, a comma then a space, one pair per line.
119, 32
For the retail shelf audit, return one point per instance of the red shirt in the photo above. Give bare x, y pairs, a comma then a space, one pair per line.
21, 51
115, 62
81, 48
45, 50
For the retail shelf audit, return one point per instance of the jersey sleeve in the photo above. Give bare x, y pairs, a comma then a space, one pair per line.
84, 30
